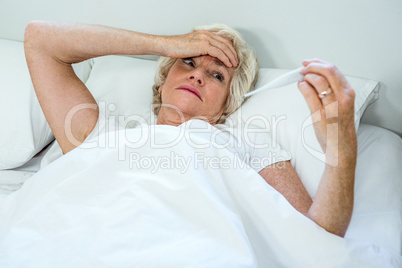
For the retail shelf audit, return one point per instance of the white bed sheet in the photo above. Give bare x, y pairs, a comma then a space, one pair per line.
377, 215
232, 216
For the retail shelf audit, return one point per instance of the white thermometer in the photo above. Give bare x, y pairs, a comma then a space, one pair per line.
283, 80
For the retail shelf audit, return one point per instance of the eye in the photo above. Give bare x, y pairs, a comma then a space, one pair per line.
219, 76
189, 62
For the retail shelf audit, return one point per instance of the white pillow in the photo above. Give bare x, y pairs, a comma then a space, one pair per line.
124, 86
284, 112
24, 130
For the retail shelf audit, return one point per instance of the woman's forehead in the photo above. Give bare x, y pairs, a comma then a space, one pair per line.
209, 58
215, 62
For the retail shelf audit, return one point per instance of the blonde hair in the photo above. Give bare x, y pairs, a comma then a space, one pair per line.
244, 78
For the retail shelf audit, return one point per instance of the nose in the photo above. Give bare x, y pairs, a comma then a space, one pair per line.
197, 76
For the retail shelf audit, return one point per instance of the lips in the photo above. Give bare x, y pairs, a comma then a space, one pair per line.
191, 89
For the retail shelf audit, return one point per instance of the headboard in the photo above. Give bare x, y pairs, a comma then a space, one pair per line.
363, 38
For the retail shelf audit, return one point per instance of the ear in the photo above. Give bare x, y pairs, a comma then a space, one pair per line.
160, 88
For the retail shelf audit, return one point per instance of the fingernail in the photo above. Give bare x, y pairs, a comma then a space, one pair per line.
302, 83
306, 62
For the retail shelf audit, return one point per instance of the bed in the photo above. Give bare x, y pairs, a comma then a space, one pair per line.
47, 220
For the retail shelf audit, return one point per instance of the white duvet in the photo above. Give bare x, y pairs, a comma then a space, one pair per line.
110, 207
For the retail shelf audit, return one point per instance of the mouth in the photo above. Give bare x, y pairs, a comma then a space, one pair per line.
190, 89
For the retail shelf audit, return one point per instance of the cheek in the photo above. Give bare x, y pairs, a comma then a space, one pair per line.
220, 95
217, 99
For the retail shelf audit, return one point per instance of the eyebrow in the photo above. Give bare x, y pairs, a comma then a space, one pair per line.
220, 64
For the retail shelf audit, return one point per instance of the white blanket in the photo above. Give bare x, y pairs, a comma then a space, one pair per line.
106, 207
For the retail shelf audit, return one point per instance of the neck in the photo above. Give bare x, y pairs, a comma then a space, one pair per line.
173, 117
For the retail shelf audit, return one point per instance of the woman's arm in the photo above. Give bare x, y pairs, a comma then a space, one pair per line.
333, 205
333, 119
285, 180
52, 47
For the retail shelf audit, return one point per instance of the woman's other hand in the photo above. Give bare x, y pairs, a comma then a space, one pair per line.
200, 43
333, 112
331, 101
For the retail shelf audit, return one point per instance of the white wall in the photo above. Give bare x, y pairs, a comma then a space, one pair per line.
362, 37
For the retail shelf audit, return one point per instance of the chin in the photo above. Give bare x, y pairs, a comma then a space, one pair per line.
186, 110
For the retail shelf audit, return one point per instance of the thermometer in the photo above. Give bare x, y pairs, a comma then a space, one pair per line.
283, 80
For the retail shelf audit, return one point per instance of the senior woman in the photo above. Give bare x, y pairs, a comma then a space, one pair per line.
202, 75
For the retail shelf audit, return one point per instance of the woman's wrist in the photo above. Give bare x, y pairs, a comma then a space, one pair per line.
158, 45
341, 159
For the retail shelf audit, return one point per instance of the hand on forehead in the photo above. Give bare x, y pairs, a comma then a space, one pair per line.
200, 43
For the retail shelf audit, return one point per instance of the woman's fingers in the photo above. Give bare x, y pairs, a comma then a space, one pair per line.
225, 45
311, 96
340, 87
338, 103
321, 85
219, 54
227, 56
316, 110
219, 47
336, 80
199, 43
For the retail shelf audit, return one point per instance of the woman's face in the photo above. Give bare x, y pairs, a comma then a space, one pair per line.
197, 87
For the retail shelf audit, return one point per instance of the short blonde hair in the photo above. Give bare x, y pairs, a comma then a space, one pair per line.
244, 78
